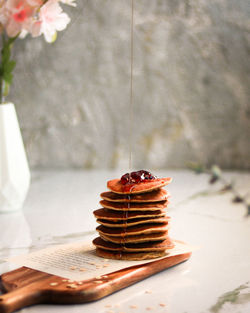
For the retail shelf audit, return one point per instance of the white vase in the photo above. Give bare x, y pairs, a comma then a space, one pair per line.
14, 169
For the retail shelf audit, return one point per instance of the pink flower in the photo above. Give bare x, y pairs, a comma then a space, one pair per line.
33, 16
15, 15
51, 19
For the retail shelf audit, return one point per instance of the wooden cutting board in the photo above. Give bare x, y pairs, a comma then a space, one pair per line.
25, 286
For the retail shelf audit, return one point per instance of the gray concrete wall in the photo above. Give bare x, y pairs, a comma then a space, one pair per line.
191, 86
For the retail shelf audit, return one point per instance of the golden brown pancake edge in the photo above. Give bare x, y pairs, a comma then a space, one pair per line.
130, 256
149, 206
133, 230
167, 243
153, 196
133, 222
107, 214
153, 237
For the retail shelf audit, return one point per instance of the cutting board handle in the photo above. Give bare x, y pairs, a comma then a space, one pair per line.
20, 298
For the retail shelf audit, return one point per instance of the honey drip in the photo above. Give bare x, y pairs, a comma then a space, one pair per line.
131, 84
125, 211
125, 224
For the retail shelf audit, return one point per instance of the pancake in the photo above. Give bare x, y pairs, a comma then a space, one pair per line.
132, 256
111, 215
133, 230
133, 222
116, 186
137, 238
141, 247
153, 196
150, 206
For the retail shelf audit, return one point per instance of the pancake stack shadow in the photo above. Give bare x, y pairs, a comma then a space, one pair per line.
133, 226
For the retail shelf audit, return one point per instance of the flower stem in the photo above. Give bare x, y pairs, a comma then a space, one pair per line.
6, 66
1, 74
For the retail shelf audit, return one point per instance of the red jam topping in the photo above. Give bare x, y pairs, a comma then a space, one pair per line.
137, 177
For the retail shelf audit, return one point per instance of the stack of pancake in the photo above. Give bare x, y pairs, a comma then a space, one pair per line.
134, 224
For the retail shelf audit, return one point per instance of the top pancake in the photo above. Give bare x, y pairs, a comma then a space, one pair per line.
153, 196
116, 186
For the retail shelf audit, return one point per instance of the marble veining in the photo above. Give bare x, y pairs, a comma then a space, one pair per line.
239, 295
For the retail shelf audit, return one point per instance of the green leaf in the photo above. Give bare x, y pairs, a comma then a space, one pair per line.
6, 54
6, 65
8, 77
10, 66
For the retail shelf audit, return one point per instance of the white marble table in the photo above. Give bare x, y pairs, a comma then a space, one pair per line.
59, 210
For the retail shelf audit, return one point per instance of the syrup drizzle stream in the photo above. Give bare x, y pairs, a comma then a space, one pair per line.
125, 224
131, 84
125, 211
